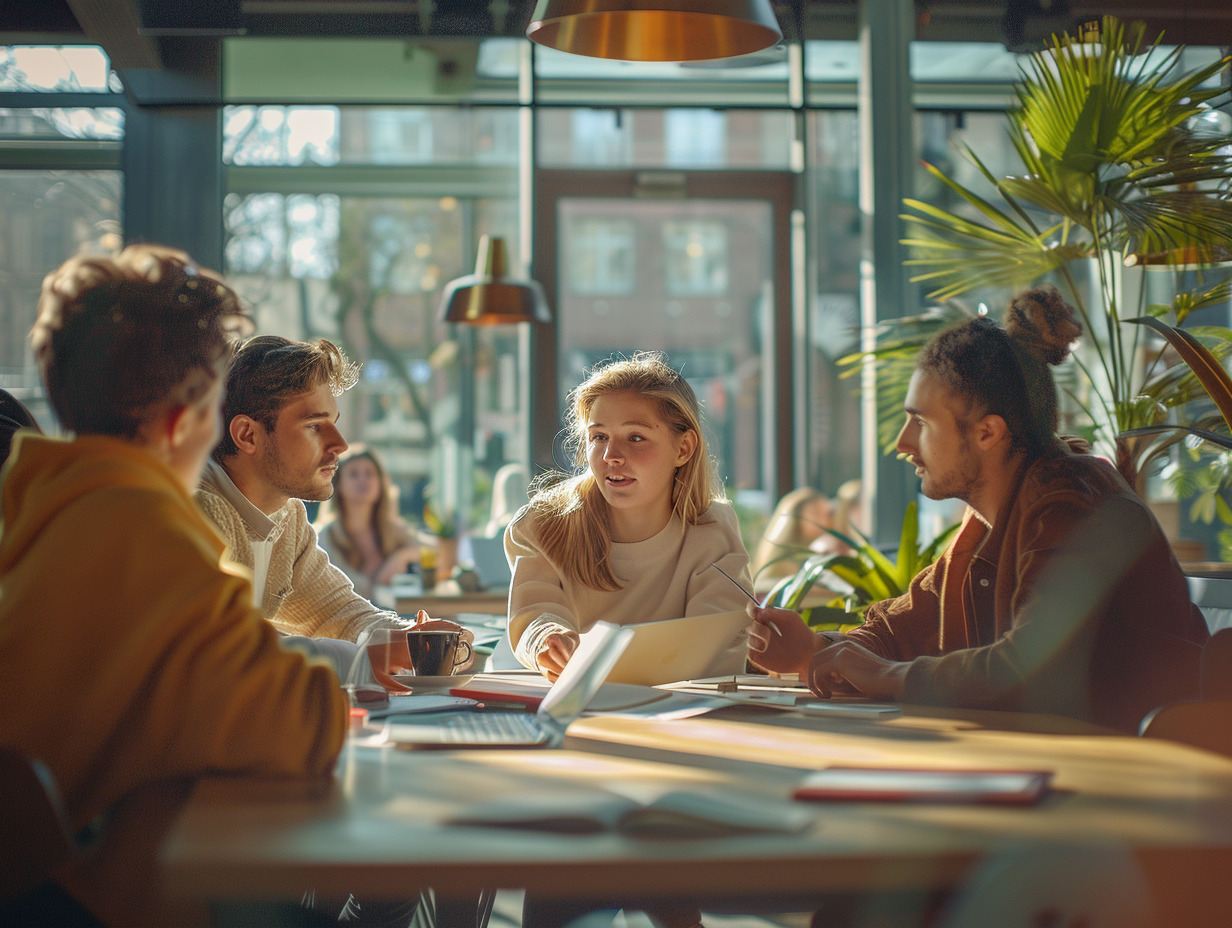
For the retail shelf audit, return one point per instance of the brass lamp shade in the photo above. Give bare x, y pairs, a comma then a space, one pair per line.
655, 30
487, 298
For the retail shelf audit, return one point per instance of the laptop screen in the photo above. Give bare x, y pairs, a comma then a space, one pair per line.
589, 666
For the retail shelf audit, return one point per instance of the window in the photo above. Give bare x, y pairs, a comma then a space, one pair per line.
353, 239
695, 258
60, 188
602, 257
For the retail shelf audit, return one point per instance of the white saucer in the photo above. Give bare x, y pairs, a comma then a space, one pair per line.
432, 684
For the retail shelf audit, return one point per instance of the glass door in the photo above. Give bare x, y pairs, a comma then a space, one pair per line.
674, 261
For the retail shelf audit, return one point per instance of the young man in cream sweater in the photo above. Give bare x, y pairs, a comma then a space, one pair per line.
280, 446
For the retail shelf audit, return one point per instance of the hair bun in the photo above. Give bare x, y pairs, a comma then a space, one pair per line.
1043, 322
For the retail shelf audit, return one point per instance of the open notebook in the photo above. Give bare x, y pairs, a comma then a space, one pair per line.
669, 650
573, 690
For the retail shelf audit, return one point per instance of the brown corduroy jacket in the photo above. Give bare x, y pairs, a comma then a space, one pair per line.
1072, 603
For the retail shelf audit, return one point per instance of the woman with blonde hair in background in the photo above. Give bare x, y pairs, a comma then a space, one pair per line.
360, 528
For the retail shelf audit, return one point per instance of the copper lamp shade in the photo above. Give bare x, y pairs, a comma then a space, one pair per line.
655, 30
488, 298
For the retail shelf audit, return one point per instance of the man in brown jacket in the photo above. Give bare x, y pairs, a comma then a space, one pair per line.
1059, 593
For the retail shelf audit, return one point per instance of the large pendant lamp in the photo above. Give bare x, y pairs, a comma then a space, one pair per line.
655, 30
488, 297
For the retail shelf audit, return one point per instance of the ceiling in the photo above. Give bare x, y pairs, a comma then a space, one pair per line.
160, 34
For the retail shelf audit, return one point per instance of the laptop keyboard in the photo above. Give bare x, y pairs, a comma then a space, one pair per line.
492, 728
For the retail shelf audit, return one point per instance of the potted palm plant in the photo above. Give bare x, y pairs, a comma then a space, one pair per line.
1120, 171
856, 577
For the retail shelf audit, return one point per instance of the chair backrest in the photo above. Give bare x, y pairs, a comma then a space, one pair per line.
1216, 677
1206, 722
1213, 595
13, 416
35, 835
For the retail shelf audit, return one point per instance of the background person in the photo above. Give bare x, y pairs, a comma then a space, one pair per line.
1059, 593
111, 582
634, 535
359, 526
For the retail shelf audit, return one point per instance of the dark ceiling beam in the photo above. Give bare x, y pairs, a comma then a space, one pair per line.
115, 25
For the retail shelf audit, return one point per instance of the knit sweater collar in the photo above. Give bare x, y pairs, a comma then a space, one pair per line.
666, 542
259, 525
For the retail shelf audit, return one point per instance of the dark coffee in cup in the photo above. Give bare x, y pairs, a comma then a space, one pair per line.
435, 653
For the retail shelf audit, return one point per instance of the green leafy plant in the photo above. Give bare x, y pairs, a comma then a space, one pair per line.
1119, 171
864, 575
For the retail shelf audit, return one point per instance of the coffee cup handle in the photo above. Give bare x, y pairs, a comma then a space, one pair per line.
459, 662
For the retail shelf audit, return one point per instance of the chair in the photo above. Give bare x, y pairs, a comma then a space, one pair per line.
35, 840
13, 416
1212, 595
1206, 722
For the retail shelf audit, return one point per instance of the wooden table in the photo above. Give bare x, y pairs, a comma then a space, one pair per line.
378, 829
449, 605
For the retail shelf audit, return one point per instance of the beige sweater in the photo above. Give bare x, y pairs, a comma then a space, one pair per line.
304, 593
664, 577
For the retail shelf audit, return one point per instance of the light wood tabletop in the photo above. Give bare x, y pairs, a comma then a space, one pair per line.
449, 605
381, 828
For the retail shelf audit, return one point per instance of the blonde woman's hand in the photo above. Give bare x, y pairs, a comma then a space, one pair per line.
557, 648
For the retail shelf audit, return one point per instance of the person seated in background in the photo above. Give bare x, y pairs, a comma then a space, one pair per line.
800, 519
365, 537
1059, 593
847, 516
128, 652
280, 446
634, 535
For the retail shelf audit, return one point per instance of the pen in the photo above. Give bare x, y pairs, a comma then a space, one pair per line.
746, 593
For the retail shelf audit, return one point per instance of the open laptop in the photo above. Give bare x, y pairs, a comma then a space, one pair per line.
573, 690
491, 563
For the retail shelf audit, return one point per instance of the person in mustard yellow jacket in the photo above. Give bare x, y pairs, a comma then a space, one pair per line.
127, 653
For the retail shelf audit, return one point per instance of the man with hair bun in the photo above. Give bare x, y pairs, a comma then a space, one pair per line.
1059, 593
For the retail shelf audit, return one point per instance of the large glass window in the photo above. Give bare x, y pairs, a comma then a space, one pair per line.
46, 68
344, 251
672, 138
60, 188
697, 282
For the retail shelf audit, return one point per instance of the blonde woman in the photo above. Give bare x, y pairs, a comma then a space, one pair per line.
359, 527
633, 535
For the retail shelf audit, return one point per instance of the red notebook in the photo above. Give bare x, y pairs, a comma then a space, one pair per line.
920, 784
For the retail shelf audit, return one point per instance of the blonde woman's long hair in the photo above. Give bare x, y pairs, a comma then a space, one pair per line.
392, 531
572, 517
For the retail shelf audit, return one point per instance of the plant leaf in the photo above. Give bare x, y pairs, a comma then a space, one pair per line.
1199, 358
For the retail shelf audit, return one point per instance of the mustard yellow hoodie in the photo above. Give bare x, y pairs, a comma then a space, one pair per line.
127, 654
